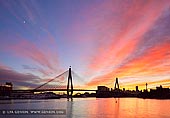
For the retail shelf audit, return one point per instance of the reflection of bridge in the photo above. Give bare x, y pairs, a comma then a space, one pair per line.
69, 86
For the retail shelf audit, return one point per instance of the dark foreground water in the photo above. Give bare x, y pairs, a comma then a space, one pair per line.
90, 108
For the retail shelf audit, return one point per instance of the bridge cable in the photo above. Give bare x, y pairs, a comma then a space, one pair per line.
50, 80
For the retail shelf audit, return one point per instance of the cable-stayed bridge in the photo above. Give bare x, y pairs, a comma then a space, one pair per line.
63, 82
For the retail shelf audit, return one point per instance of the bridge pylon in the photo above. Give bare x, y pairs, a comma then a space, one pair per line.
117, 83
69, 85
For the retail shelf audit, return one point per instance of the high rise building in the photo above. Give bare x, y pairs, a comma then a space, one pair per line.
137, 88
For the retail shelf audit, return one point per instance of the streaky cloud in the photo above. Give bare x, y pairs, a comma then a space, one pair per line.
18, 79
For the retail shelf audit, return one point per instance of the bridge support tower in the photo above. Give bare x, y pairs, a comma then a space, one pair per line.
69, 85
116, 83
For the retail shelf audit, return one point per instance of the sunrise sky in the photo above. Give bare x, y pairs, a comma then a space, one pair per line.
100, 39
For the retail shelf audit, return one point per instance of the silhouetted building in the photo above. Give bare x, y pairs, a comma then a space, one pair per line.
158, 93
6, 89
146, 87
102, 88
103, 91
137, 88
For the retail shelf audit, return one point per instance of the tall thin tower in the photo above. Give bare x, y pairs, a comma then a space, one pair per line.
70, 81
116, 84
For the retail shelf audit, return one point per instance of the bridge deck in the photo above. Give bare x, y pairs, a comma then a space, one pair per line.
41, 90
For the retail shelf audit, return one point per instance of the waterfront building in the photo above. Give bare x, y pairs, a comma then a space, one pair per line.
103, 91
6, 89
102, 88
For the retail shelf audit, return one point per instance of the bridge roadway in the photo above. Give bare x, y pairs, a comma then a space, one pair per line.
41, 90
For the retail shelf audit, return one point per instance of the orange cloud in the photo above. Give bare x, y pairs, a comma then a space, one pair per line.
155, 62
151, 62
119, 57
132, 28
150, 85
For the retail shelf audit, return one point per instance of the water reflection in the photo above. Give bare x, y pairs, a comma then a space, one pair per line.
116, 108
69, 110
21, 101
95, 108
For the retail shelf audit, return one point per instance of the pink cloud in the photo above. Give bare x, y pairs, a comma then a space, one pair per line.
45, 57
4, 66
43, 51
126, 33
28, 49
132, 25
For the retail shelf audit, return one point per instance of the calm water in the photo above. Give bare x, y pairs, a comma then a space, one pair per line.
93, 108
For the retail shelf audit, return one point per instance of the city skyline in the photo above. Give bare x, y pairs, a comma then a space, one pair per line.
100, 39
